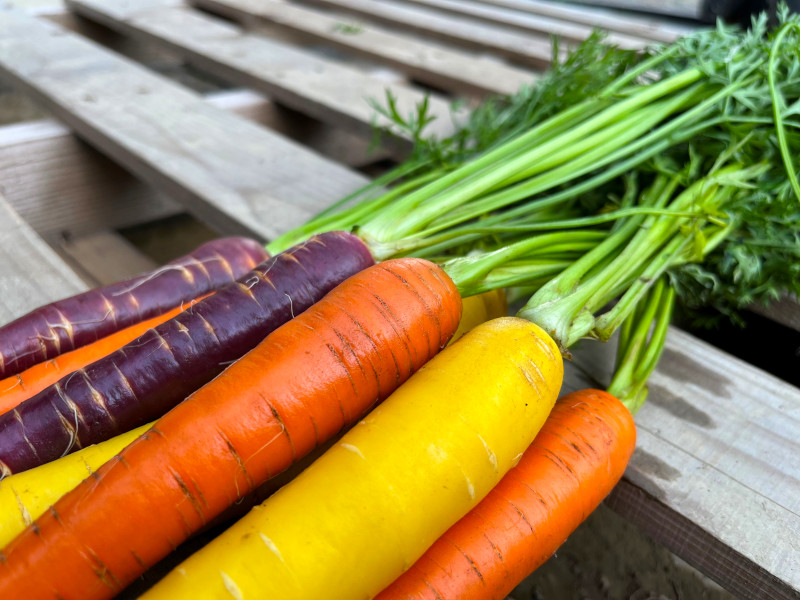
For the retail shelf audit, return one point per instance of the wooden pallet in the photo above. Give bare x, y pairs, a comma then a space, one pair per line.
716, 474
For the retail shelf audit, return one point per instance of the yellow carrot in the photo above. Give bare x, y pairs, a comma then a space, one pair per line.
25, 496
479, 309
373, 503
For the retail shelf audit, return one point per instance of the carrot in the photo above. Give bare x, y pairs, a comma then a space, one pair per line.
304, 383
25, 496
479, 309
20, 387
73, 322
145, 378
574, 462
359, 515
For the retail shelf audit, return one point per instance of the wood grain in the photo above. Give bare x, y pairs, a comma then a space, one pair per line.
529, 50
537, 24
324, 89
32, 274
63, 188
237, 177
437, 65
657, 30
105, 257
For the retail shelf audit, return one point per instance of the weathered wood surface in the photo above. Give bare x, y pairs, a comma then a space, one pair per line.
717, 462
426, 61
785, 311
685, 9
105, 257
32, 274
526, 49
537, 24
236, 176
62, 187
331, 92
658, 30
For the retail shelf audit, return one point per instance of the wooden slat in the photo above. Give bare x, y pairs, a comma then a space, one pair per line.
232, 174
685, 9
718, 465
105, 257
785, 311
657, 30
528, 49
32, 274
539, 24
324, 89
64, 188
437, 65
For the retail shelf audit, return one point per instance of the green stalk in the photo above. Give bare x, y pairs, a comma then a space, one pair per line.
348, 218
490, 157
467, 269
565, 306
606, 324
778, 104
616, 137
558, 304
641, 343
530, 273
462, 186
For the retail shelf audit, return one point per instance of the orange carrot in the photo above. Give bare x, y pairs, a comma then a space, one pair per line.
309, 379
31, 381
574, 462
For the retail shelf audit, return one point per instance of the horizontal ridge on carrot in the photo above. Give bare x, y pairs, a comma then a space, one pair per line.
73, 322
31, 381
145, 378
577, 458
304, 383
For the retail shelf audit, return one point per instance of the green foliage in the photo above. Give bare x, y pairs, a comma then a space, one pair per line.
744, 111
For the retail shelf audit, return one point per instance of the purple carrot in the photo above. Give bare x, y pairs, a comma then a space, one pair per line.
79, 320
144, 379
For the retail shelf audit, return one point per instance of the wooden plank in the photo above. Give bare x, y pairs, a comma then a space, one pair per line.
537, 24
684, 9
431, 63
64, 188
324, 89
657, 30
32, 274
785, 311
531, 50
232, 174
717, 463
105, 257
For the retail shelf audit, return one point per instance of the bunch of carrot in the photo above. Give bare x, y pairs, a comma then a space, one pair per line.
363, 340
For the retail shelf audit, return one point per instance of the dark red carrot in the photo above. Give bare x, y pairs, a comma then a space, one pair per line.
73, 322
572, 465
150, 375
16, 389
303, 384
